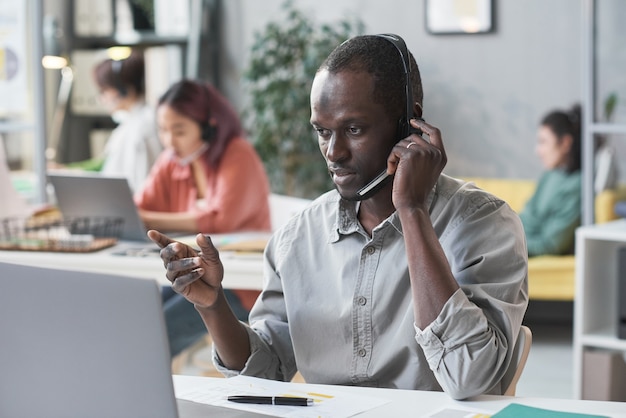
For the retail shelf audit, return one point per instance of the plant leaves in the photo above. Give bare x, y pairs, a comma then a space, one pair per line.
283, 60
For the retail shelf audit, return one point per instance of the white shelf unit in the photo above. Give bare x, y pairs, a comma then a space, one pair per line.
592, 126
596, 307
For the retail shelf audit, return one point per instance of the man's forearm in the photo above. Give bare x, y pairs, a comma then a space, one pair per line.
432, 281
228, 334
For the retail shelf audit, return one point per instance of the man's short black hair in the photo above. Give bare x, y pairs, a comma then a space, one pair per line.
379, 58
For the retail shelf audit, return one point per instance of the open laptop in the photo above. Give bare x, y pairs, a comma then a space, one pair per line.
78, 344
96, 195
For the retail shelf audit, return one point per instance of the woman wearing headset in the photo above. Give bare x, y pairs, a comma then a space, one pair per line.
209, 179
133, 145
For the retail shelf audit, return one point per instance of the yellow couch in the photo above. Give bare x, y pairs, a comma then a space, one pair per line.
550, 277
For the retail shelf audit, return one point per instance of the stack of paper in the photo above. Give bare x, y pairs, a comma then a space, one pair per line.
329, 401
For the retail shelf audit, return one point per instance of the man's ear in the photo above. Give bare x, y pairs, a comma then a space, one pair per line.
417, 110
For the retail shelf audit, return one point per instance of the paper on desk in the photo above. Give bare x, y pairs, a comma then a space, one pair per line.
237, 241
241, 241
458, 413
329, 401
251, 246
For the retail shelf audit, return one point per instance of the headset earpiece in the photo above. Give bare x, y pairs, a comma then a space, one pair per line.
208, 132
404, 125
116, 68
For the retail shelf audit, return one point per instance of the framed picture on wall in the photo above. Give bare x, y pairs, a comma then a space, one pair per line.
459, 16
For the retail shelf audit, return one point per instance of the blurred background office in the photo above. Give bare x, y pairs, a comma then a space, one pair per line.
491, 69
485, 91
133, 146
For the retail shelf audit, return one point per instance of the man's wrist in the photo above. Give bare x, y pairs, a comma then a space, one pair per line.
219, 300
413, 211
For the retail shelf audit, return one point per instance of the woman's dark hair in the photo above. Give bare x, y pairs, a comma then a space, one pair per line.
379, 58
567, 123
122, 75
202, 103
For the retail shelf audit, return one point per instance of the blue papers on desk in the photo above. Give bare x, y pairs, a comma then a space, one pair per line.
516, 410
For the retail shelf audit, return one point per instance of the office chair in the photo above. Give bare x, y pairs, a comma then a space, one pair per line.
518, 361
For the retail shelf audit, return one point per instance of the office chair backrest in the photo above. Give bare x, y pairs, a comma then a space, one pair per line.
282, 208
518, 361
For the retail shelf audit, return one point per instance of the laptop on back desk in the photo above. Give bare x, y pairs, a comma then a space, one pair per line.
99, 196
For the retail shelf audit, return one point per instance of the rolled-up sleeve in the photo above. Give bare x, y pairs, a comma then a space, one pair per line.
468, 345
261, 363
460, 347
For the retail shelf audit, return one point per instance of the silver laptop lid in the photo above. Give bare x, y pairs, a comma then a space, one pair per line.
78, 344
99, 196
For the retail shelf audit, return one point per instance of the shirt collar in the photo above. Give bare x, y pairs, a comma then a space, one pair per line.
347, 222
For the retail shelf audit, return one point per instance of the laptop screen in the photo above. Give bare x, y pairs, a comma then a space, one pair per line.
99, 196
78, 344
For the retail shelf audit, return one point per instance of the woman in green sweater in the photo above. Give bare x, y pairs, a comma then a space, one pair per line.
553, 213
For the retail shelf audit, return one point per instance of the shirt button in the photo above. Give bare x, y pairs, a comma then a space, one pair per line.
371, 250
361, 300
361, 352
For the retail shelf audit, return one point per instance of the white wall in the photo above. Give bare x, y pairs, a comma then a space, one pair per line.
486, 93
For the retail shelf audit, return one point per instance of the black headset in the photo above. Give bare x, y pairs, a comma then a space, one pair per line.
209, 131
118, 84
404, 125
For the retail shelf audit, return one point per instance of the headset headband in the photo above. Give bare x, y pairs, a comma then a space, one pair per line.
400, 45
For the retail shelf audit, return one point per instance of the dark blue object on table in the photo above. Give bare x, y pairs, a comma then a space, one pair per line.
620, 209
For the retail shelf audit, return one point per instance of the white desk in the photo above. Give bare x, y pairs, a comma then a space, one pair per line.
417, 403
241, 271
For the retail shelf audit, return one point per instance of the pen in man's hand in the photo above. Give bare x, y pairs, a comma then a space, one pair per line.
272, 400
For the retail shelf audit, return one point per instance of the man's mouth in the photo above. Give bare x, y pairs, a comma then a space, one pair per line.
342, 176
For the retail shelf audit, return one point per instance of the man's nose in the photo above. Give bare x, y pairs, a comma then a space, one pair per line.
336, 150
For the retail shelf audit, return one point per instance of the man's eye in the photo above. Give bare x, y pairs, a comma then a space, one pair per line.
321, 131
353, 130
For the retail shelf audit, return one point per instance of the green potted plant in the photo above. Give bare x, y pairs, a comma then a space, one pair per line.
283, 62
